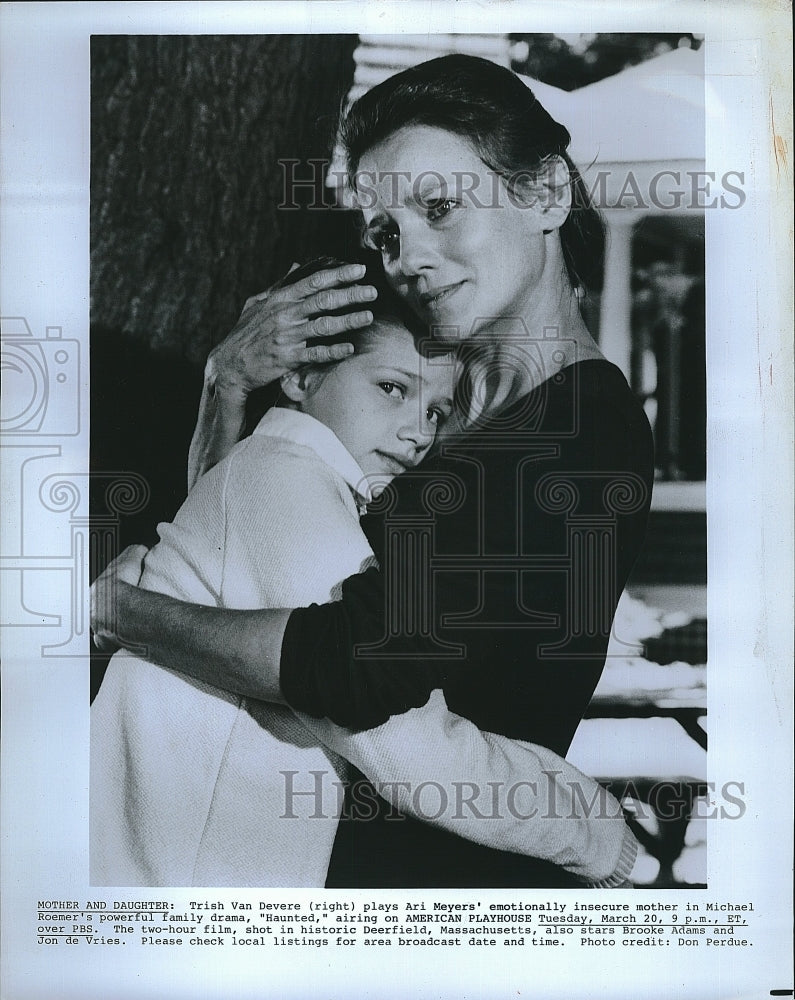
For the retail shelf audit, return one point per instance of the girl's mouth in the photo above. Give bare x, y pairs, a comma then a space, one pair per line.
395, 464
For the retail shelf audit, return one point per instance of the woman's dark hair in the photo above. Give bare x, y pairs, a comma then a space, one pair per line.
500, 117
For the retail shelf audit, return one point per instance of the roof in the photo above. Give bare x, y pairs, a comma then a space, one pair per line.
654, 111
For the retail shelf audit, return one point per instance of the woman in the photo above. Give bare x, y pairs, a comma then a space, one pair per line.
505, 554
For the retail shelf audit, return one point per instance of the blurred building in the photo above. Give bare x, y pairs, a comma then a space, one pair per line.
639, 140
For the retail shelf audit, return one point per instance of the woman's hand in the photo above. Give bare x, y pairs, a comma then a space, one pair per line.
272, 337
125, 570
235, 650
274, 333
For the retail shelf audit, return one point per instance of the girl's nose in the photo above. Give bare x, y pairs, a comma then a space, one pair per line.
419, 431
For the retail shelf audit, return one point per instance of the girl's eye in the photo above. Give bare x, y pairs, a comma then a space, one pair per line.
435, 416
439, 209
393, 389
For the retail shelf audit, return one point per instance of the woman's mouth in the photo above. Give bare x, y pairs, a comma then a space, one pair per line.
435, 298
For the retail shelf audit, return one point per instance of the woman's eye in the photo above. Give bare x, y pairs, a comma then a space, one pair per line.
384, 241
435, 416
392, 389
439, 209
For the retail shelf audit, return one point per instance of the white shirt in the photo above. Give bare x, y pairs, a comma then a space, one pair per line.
191, 785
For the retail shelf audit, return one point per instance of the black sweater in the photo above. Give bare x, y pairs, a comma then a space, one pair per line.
503, 558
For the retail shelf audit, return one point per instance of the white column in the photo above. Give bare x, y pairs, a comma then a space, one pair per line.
615, 327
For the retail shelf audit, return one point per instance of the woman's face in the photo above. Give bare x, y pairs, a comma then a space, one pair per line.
455, 243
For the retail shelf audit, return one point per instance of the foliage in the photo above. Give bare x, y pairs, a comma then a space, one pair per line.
574, 61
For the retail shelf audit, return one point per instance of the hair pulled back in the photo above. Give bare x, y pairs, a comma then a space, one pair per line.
492, 109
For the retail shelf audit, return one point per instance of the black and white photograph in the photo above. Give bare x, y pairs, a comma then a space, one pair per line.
394, 449
554, 339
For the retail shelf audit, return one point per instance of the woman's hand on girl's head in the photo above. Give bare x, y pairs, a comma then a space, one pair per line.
275, 331
125, 570
272, 338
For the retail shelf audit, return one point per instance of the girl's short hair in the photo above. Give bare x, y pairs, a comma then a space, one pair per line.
388, 305
492, 109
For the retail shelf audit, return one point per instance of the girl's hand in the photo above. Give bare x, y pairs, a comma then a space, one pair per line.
125, 570
274, 333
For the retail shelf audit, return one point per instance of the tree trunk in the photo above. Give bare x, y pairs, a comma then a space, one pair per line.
186, 182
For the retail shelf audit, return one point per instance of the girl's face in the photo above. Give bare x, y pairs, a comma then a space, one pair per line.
455, 243
385, 403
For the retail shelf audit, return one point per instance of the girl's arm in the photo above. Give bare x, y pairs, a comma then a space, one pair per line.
503, 793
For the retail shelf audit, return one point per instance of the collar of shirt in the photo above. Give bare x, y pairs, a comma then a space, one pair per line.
301, 429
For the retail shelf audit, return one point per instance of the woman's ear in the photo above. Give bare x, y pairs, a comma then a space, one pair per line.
549, 193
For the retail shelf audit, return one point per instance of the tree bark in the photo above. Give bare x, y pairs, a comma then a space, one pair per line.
186, 182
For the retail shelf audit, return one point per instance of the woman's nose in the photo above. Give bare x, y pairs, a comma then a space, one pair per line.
418, 250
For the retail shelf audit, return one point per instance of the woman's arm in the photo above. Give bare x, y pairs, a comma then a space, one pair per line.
219, 426
269, 340
241, 650
206, 643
